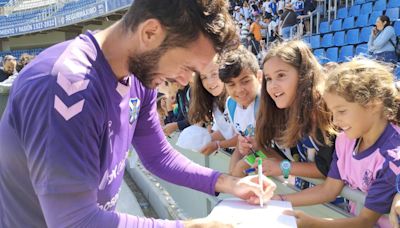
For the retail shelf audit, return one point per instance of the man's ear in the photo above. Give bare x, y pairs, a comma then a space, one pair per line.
151, 34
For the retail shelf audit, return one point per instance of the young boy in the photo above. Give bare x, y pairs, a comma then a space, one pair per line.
241, 74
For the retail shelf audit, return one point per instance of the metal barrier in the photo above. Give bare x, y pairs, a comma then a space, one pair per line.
193, 204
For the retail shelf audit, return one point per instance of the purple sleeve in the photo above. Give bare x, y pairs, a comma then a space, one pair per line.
61, 145
161, 159
333, 170
62, 210
382, 191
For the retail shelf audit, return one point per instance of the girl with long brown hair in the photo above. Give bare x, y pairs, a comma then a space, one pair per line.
293, 118
207, 106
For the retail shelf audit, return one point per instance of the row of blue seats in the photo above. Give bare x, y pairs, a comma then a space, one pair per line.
76, 5
3, 2
345, 53
336, 54
367, 8
340, 38
360, 21
22, 17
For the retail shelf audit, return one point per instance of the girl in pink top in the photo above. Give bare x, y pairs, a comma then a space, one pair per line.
364, 102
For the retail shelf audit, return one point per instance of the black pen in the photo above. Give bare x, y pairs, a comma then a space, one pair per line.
251, 149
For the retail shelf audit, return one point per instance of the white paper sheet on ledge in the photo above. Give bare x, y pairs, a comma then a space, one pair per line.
242, 214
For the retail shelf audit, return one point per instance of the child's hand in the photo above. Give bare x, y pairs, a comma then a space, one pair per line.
271, 167
170, 128
209, 148
302, 219
395, 211
244, 145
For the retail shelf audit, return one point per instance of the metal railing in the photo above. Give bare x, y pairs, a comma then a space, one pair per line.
221, 161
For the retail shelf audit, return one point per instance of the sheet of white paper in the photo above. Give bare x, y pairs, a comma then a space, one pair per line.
242, 214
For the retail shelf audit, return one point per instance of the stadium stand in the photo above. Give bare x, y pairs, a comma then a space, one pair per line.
337, 39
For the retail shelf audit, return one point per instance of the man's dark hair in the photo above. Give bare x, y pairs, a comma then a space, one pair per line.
235, 61
185, 20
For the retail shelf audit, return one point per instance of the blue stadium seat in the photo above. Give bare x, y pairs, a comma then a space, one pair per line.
332, 54
393, 4
397, 28
374, 15
315, 41
306, 40
362, 49
379, 5
353, 36
365, 33
359, 2
346, 52
320, 55
338, 39
393, 13
348, 23
324, 27
336, 25
354, 10
366, 8
397, 72
3, 2
327, 40
342, 13
362, 20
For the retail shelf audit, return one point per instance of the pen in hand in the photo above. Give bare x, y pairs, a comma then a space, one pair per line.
260, 181
251, 149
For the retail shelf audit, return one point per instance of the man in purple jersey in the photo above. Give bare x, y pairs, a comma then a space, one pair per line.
75, 110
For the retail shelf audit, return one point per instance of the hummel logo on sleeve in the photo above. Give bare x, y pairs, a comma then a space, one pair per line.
394, 168
68, 112
70, 89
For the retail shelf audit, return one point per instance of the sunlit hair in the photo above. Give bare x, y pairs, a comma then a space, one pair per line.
160, 110
308, 114
202, 102
235, 61
362, 81
185, 20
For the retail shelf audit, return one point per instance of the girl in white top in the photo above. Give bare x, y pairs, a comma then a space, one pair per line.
208, 106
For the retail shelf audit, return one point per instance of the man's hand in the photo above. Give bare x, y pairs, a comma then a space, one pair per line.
395, 211
209, 148
170, 128
302, 219
246, 188
205, 223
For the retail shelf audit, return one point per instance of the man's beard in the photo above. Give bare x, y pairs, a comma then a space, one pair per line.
144, 66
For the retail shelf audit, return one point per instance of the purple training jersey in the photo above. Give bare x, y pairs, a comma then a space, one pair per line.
65, 136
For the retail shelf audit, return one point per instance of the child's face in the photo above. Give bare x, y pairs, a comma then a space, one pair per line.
244, 88
346, 116
210, 80
281, 82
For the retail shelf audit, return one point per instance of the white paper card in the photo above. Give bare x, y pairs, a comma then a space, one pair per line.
242, 214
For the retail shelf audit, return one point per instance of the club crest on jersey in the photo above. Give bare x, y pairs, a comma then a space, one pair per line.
134, 107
